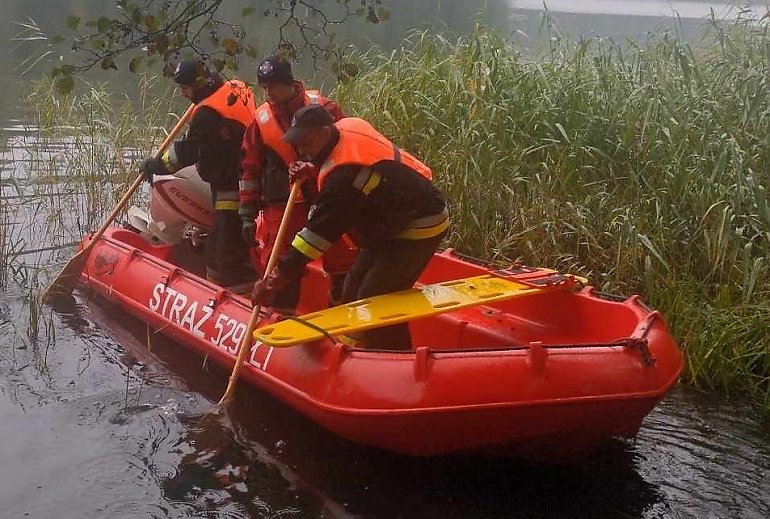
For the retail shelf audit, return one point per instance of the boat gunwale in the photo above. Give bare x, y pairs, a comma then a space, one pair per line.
271, 383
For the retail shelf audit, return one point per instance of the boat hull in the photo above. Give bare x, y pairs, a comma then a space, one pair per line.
548, 377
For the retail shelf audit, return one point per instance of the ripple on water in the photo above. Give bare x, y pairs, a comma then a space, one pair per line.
705, 458
94, 457
151, 454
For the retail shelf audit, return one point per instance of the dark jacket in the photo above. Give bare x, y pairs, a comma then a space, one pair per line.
370, 219
213, 143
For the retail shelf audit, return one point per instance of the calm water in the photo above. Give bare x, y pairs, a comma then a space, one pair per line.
95, 425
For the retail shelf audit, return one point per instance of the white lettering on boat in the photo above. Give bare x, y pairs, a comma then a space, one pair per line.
173, 305
175, 313
207, 312
169, 292
155, 300
190, 315
228, 331
267, 357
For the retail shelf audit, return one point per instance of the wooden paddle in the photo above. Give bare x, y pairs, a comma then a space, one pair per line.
68, 277
245, 345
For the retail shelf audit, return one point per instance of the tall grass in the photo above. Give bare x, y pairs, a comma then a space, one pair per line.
86, 150
643, 166
64, 175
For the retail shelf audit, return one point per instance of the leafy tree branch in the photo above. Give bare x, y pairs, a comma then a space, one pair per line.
143, 34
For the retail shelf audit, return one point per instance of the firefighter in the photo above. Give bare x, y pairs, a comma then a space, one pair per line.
264, 180
224, 109
380, 195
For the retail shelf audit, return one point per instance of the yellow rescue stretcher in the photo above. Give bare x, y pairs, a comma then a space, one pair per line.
403, 306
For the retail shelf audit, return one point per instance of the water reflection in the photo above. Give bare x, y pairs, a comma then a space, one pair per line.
113, 429
710, 456
696, 456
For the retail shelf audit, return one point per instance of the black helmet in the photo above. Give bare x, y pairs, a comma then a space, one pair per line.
275, 69
192, 73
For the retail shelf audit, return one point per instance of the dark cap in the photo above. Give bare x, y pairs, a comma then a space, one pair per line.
275, 69
192, 73
305, 119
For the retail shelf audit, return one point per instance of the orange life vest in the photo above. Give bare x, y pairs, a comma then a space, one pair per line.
361, 144
233, 100
271, 131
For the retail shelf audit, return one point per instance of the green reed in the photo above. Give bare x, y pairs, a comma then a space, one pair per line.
87, 148
67, 173
641, 166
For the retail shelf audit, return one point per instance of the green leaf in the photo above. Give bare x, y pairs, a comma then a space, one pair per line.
135, 64
650, 247
230, 46
563, 132
107, 64
168, 70
103, 24
73, 22
134, 13
65, 85
231, 64
248, 11
350, 69
250, 51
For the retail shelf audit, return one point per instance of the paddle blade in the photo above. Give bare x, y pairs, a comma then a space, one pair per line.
65, 281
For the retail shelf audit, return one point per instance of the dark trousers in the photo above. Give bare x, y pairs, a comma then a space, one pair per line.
390, 268
227, 256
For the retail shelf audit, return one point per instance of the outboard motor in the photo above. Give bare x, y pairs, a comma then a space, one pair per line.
180, 208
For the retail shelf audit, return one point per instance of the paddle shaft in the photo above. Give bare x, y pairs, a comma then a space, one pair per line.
73, 268
245, 345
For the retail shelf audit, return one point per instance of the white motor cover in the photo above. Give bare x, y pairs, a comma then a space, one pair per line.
178, 203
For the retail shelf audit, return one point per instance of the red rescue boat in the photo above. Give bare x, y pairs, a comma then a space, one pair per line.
551, 376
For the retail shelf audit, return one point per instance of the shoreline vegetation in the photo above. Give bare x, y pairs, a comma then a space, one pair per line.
641, 166
644, 168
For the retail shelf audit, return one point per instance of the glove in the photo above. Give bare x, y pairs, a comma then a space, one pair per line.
266, 288
249, 232
152, 166
299, 171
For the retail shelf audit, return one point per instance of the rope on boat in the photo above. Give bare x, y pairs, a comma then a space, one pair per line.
312, 326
